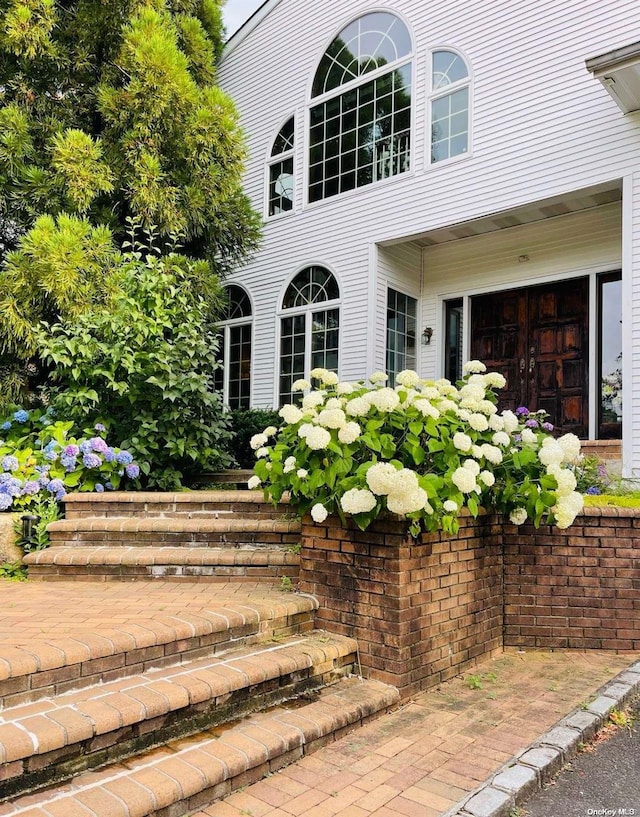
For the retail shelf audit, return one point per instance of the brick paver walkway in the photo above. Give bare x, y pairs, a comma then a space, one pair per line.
421, 760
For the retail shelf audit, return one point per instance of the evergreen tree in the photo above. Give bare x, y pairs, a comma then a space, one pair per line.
109, 113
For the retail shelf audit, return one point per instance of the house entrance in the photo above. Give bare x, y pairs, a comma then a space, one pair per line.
537, 338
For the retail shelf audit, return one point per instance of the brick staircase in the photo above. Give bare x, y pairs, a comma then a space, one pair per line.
167, 713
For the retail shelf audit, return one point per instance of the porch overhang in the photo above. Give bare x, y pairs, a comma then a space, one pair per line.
619, 73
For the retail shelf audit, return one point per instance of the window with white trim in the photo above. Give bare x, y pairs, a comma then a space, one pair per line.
280, 195
233, 378
309, 328
401, 333
360, 121
449, 105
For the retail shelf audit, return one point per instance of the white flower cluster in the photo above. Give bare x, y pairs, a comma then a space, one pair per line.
400, 486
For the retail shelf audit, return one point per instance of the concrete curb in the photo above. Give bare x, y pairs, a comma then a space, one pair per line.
538, 763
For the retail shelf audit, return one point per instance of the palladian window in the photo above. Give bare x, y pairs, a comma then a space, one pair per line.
449, 105
360, 119
233, 378
281, 171
309, 327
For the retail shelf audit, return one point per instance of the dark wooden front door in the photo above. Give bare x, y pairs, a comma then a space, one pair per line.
538, 339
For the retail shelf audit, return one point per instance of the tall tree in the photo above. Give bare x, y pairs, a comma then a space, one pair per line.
109, 112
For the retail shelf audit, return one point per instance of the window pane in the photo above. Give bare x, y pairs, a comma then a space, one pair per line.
291, 362
281, 187
401, 333
324, 339
311, 285
453, 340
239, 366
238, 303
284, 140
610, 332
450, 125
447, 68
218, 375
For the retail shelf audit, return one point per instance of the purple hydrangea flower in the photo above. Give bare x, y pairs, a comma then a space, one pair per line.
100, 488
531, 423
69, 463
72, 451
92, 460
5, 502
85, 447
44, 481
133, 470
98, 444
593, 490
124, 458
30, 488
10, 463
547, 426
522, 410
109, 455
21, 416
100, 427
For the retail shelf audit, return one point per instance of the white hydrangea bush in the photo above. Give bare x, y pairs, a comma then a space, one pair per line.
423, 451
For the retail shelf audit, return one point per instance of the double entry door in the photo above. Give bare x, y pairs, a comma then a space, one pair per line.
537, 337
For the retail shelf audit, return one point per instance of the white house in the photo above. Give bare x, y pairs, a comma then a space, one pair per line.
443, 181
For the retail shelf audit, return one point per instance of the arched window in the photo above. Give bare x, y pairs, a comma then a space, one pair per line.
449, 105
309, 327
361, 123
281, 171
233, 379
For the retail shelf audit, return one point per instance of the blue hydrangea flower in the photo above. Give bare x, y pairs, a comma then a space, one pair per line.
21, 416
85, 447
30, 488
55, 485
92, 460
42, 469
109, 486
100, 427
100, 488
44, 481
6, 501
109, 455
593, 490
10, 463
11, 487
133, 470
69, 463
52, 456
6, 425
124, 458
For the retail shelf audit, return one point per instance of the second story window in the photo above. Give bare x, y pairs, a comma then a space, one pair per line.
449, 105
360, 120
281, 171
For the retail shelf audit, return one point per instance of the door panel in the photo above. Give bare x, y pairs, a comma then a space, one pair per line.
537, 338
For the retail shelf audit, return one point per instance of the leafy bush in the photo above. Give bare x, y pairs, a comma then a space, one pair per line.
245, 423
423, 451
145, 368
591, 476
40, 458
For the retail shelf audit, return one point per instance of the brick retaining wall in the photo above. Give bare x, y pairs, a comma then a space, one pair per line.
577, 588
422, 611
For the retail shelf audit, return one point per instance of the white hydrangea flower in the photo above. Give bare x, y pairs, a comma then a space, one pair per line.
344, 388
495, 380
270, 431
564, 477
491, 453
501, 438
472, 391
474, 367
430, 392
253, 482
445, 388
317, 438
450, 506
313, 399
570, 445
289, 465
476, 452
470, 403
567, 508
334, 403
332, 418
290, 414
518, 516
358, 500
463, 414
358, 407
349, 433
510, 421
382, 478
487, 407
258, 440
426, 409
379, 377
487, 478
551, 452
385, 400
318, 373
304, 429
404, 502
478, 422
408, 378
300, 385
446, 405
331, 379
528, 436
496, 423
319, 513
472, 465
302, 473
442, 383
464, 480
261, 452
462, 442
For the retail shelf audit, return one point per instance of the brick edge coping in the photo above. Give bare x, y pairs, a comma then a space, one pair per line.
528, 771
168, 496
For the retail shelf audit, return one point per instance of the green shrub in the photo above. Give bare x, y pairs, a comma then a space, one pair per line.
145, 368
245, 423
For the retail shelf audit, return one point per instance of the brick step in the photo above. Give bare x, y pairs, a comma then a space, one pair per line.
245, 504
91, 656
176, 531
126, 563
192, 773
58, 737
